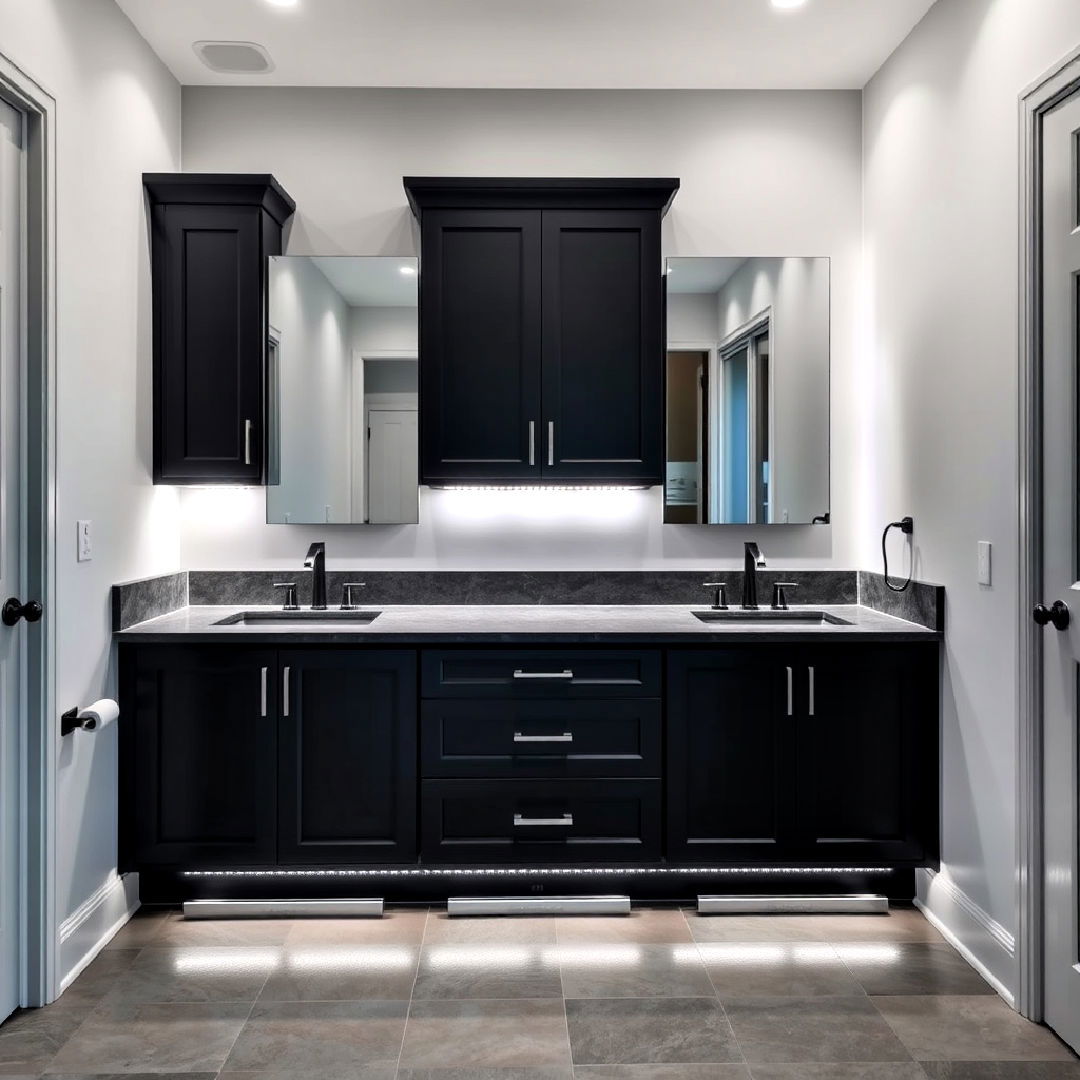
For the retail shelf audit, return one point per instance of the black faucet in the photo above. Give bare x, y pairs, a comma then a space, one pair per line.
752, 562
316, 563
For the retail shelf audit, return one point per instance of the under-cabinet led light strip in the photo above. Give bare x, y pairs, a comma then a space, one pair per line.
541, 872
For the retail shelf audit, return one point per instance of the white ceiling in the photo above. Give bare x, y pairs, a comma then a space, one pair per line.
700, 275
369, 280
537, 44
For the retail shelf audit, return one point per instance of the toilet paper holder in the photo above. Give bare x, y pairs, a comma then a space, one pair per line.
88, 719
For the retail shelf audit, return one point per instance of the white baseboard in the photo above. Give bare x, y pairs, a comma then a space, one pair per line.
94, 923
979, 938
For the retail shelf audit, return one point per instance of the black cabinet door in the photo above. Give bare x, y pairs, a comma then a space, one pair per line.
209, 300
730, 717
203, 754
347, 757
480, 411
603, 350
867, 741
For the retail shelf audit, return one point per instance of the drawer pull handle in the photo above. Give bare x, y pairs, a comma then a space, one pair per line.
566, 736
519, 674
565, 819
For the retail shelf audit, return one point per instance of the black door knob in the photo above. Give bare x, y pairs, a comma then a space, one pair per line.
1057, 613
13, 611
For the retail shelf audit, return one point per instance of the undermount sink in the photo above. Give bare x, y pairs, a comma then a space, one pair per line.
256, 618
803, 616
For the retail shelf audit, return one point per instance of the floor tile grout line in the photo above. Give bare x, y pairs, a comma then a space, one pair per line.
412, 990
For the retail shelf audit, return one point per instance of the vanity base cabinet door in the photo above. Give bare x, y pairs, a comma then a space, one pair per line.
867, 741
730, 755
480, 346
199, 757
540, 821
347, 757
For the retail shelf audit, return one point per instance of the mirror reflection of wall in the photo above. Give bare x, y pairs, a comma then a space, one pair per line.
747, 391
343, 390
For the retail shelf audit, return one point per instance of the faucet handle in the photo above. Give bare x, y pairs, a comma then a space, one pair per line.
290, 594
720, 596
347, 596
779, 597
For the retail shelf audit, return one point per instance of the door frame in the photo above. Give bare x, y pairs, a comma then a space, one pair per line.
1060, 82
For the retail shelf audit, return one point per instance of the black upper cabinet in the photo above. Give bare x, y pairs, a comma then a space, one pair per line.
211, 236
347, 757
541, 329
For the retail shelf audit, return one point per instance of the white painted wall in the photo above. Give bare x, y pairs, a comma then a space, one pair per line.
692, 317
380, 329
797, 291
313, 322
761, 171
937, 437
118, 114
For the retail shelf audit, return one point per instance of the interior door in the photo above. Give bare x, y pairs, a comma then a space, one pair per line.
1061, 304
392, 466
11, 638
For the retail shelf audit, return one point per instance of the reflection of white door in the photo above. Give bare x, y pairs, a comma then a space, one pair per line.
11, 570
392, 466
1061, 566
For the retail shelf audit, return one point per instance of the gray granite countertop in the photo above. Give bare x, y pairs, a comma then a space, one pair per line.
535, 624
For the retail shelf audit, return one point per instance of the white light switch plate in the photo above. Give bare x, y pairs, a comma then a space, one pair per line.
85, 546
984, 562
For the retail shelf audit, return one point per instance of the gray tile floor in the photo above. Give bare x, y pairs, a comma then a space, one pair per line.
662, 995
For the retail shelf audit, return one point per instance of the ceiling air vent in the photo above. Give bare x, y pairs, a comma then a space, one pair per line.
234, 57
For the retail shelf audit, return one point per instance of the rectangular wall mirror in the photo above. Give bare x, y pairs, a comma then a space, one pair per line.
747, 391
343, 390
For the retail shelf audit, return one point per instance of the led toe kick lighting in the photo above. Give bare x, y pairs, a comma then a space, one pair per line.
848, 904
538, 905
263, 909
540, 871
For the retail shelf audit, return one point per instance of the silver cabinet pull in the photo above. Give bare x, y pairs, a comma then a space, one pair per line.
247, 441
522, 821
811, 671
551, 442
265, 672
285, 691
532, 442
566, 674
790, 703
566, 736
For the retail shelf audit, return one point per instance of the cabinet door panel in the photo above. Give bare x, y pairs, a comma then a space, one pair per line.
211, 341
729, 755
867, 754
347, 757
480, 345
603, 391
204, 760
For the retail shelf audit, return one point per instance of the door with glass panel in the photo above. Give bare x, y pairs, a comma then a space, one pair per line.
1061, 564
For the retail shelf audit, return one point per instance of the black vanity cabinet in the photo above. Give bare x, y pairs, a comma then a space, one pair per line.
818, 755
347, 757
211, 236
199, 756
541, 329
237, 757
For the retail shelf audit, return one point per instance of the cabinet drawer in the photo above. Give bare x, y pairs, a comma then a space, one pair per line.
541, 737
555, 673
540, 821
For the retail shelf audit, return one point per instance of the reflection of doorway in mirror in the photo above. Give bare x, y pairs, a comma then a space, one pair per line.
686, 482
386, 455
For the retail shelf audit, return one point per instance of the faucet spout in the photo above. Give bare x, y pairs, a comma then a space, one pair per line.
753, 560
315, 561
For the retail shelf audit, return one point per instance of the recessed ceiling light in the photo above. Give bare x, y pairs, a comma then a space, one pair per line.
407, 270
283, 3
788, 5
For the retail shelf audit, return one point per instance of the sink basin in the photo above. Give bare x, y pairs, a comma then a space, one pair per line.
803, 616
261, 618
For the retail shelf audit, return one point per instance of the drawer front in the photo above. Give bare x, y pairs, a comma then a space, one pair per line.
540, 821
556, 673
541, 737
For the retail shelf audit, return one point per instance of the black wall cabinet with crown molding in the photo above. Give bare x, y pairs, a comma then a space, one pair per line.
210, 238
541, 329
